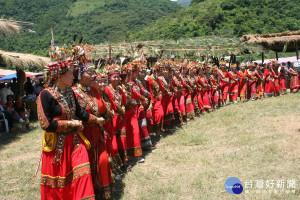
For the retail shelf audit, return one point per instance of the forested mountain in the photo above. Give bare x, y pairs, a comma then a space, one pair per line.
225, 18
97, 20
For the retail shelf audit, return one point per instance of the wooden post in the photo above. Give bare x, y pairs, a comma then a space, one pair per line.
276, 55
262, 58
110, 54
250, 57
297, 51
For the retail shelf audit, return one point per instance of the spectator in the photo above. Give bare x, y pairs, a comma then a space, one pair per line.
39, 87
28, 87
289, 65
22, 118
4, 92
15, 87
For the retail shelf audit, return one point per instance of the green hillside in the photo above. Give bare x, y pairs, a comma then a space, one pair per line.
225, 18
97, 20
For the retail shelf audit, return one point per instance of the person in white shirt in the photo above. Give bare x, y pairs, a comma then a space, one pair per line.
4, 92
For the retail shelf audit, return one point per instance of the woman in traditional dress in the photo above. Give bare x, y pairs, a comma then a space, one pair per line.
66, 172
223, 73
269, 81
282, 78
118, 102
294, 83
89, 98
243, 82
205, 90
165, 87
276, 78
135, 96
193, 80
253, 77
100, 83
178, 102
155, 102
260, 84
215, 87
187, 91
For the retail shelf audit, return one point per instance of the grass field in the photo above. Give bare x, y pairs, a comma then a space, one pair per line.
251, 141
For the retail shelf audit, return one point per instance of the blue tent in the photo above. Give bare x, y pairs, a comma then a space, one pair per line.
7, 77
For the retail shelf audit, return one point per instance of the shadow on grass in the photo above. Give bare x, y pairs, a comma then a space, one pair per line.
7, 138
120, 185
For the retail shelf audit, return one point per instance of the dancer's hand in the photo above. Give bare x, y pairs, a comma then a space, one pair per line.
100, 121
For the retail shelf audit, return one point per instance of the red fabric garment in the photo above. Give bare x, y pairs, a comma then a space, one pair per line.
118, 99
215, 90
243, 85
71, 178
166, 99
205, 93
234, 85
224, 84
189, 107
157, 109
277, 81
98, 155
294, 84
133, 138
269, 82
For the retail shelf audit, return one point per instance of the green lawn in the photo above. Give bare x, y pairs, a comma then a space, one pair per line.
251, 141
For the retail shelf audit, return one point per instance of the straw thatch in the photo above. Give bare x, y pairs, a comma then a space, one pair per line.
203, 46
278, 42
22, 60
9, 27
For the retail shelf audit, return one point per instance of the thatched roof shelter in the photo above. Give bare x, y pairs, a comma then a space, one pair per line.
9, 27
22, 60
287, 41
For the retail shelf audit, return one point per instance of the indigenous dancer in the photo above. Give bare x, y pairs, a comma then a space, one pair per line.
119, 103
100, 84
269, 81
223, 73
294, 83
141, 64
276, 78
155, 103
259, 83
203, 81
186, 91
234, 83
243, 82
65, 172
282, 79
89, 98
178, 102
136, 96
166, 100
253, 78
215, 87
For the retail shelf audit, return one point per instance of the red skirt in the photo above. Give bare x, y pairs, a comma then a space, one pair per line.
233, 91
144, 134
157, 114
206, 100
224, 89
132, 134
167, 105
112, 144
282, 83
181, 102
243, 89
269, 88
120, 132
99, 159
189, 107
72, 178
